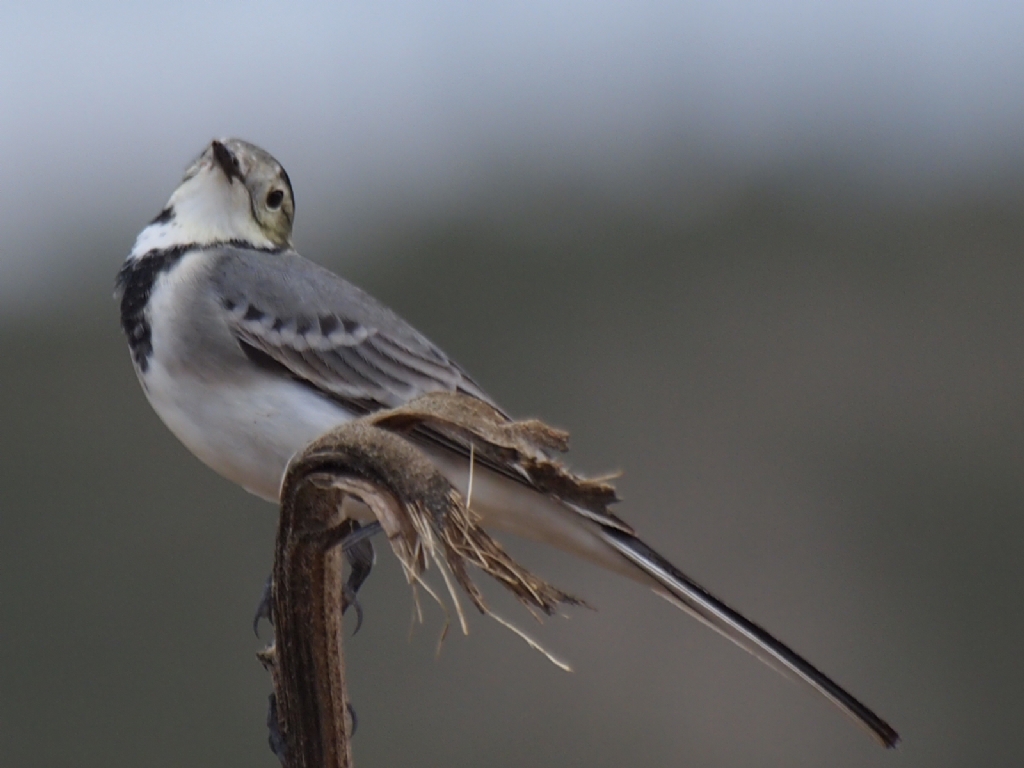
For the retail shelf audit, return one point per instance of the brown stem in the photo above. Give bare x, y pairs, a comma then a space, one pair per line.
307, 660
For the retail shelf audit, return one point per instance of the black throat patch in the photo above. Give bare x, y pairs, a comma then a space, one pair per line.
135, 281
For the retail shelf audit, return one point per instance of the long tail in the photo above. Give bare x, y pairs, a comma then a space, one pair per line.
513, 507
698, 602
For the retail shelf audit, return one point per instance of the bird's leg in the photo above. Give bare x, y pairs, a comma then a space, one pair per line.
354, 539
361, 557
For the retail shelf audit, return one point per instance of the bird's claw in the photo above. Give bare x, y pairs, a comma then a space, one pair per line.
274, 736
361, 557
354, 539
265, 608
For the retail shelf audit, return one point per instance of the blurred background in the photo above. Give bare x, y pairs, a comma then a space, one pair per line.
764, 258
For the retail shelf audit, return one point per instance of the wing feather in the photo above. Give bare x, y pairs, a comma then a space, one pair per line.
329, 333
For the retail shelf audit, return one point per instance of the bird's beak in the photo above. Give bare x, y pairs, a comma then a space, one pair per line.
226, 160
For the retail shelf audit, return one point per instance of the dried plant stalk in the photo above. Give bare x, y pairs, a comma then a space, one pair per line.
307, 661
422, 513
426, 520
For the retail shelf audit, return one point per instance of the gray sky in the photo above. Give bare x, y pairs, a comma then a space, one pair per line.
414, 104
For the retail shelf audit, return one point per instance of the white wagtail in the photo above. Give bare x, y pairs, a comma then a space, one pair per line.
248, 352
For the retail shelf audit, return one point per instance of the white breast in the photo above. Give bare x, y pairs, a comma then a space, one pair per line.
241, 421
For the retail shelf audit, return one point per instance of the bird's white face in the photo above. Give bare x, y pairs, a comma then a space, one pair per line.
233, 192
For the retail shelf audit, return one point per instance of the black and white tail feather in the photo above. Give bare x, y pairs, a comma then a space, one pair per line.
684, 592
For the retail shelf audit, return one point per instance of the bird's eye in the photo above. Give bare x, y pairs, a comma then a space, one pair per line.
274, 199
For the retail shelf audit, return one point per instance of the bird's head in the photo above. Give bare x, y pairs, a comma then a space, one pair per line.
233, 192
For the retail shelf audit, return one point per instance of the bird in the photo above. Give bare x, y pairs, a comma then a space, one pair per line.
247, 351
